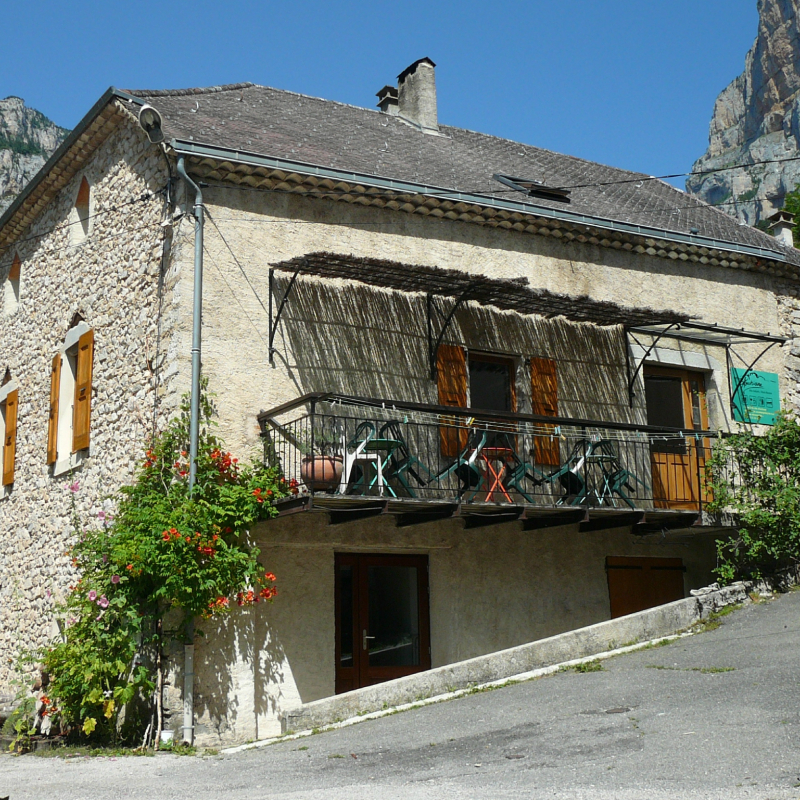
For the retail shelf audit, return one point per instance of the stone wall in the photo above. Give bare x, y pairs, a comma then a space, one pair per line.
112, 280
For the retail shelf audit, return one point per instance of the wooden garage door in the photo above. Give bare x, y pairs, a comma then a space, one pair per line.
637, 582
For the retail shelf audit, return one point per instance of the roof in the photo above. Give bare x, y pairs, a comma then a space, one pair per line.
247, 122
249, 118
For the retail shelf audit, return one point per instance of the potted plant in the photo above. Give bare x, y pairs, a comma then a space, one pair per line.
322, 462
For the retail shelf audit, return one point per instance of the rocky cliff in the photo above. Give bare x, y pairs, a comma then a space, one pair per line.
27, 140
757, 119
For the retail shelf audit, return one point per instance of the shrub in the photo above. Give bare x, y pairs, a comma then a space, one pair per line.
758, 479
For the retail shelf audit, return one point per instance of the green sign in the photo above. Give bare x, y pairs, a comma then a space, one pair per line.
756, 398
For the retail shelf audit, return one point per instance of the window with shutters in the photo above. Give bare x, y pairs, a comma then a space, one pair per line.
479, 380
69, 420
9, 400
81, 216
11, 288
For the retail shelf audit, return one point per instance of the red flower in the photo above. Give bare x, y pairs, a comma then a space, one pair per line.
130, 566
269, 576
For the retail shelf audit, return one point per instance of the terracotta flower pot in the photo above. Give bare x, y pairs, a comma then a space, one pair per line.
321, 473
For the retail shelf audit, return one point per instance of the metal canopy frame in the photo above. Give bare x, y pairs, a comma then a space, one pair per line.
703, 333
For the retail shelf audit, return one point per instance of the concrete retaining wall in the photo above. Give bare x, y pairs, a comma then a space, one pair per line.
640, 627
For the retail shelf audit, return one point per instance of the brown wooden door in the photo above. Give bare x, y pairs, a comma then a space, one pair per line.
637, 582
676, 398
382, 618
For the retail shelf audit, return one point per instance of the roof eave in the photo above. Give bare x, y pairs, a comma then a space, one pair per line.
64, 148
190, 148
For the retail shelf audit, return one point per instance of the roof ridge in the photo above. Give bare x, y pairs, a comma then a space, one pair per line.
226, 87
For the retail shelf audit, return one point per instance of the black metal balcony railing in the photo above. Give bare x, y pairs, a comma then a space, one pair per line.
334, 445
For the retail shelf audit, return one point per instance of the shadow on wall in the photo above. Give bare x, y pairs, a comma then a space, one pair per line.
236, 661
370, 342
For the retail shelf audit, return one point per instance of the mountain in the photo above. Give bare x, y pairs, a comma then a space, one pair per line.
27, 140
757, 119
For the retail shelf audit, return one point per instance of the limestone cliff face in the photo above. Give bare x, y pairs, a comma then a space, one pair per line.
757, 118
27, 140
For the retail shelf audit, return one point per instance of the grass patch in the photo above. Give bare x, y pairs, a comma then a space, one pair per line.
714, 619
586, 666
703, 670
336, 755
82, 751
211, 751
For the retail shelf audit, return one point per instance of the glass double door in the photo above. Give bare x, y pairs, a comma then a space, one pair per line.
382, 622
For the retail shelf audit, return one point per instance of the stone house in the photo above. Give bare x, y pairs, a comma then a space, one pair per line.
364, 272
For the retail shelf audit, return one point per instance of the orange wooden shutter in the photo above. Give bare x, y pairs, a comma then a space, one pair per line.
451, 375
52, 423
16, 269
83, 393
10, 440
544, 401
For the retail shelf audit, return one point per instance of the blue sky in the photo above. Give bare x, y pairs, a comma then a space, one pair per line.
624, 82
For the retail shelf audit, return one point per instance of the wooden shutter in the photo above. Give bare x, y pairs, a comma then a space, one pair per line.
544, 401
16, 269
82, 411
52, 422
10, 440
451, 376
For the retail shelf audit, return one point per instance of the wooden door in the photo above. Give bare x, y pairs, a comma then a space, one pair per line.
637, 582
676, 398
382, 618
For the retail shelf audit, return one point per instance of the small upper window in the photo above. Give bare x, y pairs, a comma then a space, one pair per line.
81, 214
11, 289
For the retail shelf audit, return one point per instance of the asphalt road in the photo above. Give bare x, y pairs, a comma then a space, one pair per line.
716, 715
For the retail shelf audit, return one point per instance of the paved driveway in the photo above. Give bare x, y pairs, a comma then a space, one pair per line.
716, 715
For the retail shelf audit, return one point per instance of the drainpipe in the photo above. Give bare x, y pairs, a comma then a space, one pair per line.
194, 432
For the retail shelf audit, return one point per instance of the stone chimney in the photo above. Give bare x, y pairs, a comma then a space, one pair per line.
416, 95
387, 100
781, 224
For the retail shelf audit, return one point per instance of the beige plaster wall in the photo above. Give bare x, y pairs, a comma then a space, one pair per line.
490, 588
351, 338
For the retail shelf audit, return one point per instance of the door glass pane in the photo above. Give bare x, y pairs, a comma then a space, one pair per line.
697, 417
664, 399
393, 617
346, 616
489, 385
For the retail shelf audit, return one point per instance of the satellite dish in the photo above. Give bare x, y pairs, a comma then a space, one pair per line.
150, 122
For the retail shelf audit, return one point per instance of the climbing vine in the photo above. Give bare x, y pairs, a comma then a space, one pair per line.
167, 555
757, 478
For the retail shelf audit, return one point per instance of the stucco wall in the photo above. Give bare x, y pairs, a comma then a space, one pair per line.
490, 588
111, 278
368, 342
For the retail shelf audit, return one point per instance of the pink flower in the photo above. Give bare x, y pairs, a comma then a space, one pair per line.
103, 602
73, 487
92, 595
115, 579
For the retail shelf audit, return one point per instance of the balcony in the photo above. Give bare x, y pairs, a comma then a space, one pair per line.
355, 457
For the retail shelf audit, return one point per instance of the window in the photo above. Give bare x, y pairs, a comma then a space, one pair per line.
9, 400
11, 289
478, 380
80, 217
70, 400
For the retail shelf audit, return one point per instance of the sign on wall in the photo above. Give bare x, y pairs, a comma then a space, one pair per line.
757, 400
